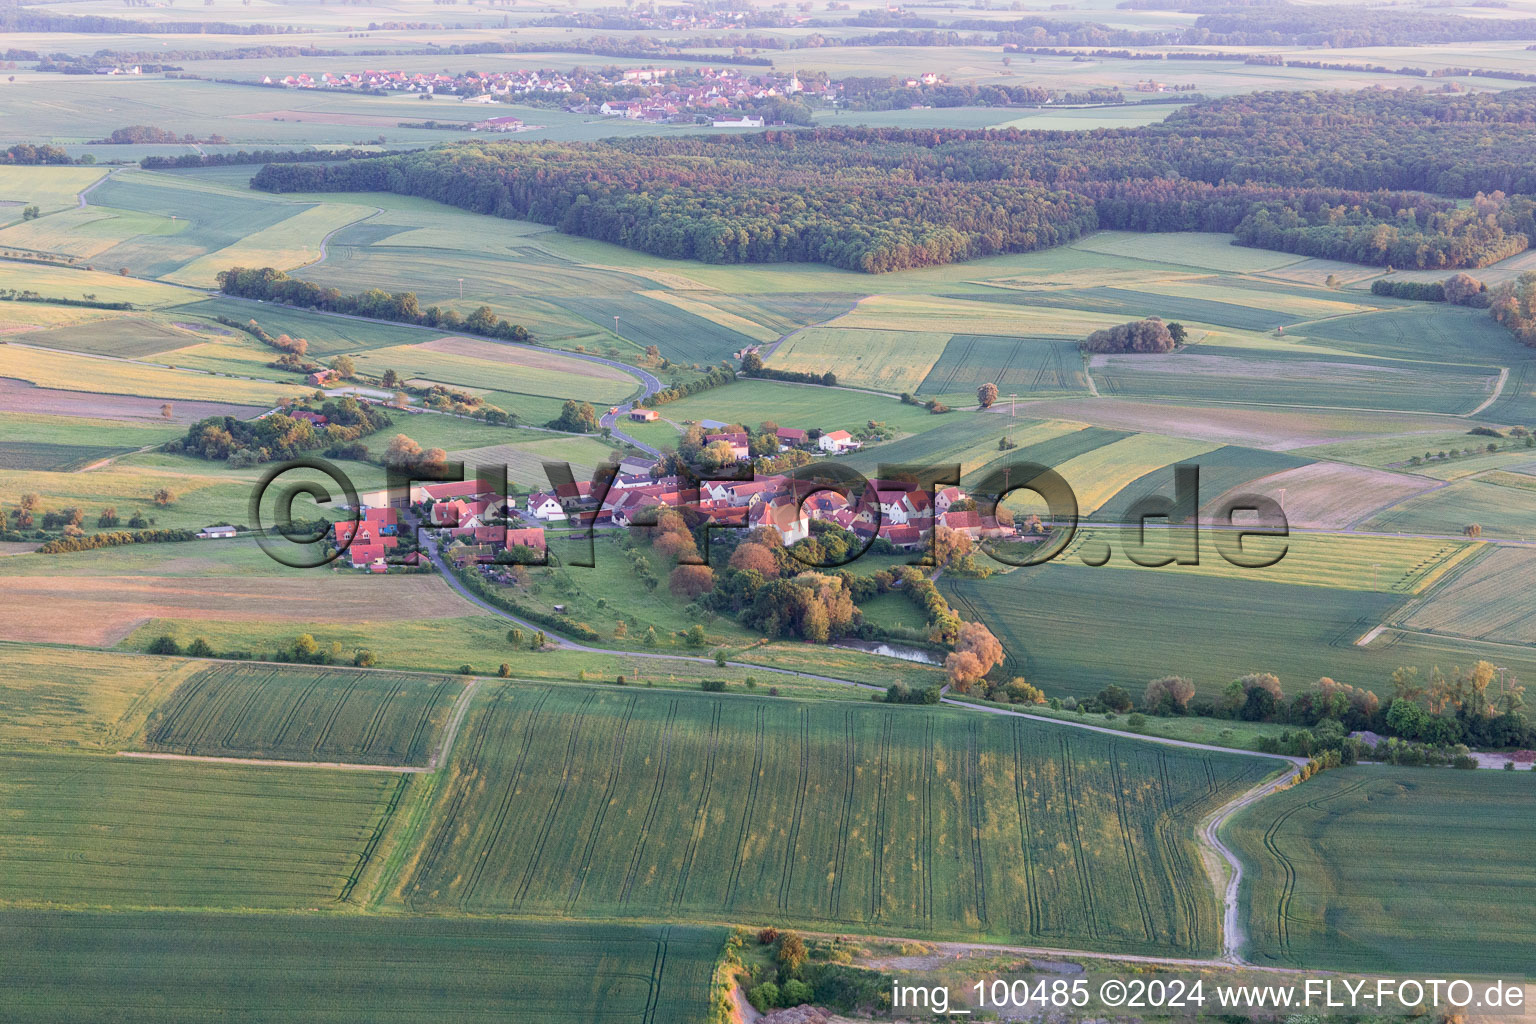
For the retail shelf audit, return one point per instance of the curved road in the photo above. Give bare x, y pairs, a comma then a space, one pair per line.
570, 645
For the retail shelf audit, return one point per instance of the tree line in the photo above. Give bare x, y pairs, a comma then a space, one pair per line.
271, 285
1371, 177
280, 435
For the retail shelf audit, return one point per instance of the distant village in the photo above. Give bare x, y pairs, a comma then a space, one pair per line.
725, 95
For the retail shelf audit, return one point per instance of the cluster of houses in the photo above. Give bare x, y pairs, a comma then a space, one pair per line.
654, 94
895, 510
479, 522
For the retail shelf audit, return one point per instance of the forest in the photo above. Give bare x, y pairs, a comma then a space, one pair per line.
1370, 176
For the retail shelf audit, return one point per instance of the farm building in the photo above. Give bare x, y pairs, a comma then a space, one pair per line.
216, 533
497, 124
644, 415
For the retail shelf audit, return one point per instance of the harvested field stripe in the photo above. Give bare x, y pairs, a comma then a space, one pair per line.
556, 802
1021, 802
330, 723
786, 877
615, 765
845, 822
975, 811
877, 843
1117, 781
1068, 775
366, 855
655, 804
701, 812
471, 761
925, 848
748, 807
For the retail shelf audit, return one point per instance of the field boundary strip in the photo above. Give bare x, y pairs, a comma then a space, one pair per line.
150, 755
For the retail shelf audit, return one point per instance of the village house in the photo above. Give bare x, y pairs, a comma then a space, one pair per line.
739, 443
837, 442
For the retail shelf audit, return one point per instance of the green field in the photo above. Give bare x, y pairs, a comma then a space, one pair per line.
1392, 869
1491, 600
1504, 512
304, 714
54, 458
560, 378
285, 968
795, 405
1028, 367
100, 831
524, 460
128, 337
70, 371
51, 697
596, 803
682, 337
1071, 629
1221, 470
1427, 330
1250, 376
1399, 565
327, 335
289, 243
50, 188
1131, 304
215, 219
892, 361
972, 441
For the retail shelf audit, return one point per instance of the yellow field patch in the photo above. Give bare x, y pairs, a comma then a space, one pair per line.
1101, 474
699, 306
959, 316
285, 245
1400, 565
885, 360
70, 372
73, 283
52, 188
1211, 289
50, 696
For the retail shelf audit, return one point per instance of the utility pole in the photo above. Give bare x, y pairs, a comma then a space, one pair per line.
461, 288
615, 323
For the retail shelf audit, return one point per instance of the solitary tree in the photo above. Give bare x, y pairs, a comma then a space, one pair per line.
165, 410
344, 366
986, 394
691, 581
